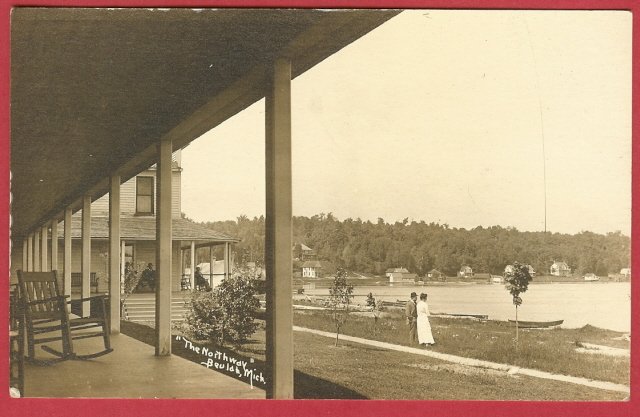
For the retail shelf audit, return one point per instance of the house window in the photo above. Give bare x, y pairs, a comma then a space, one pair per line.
144, 195
128, 255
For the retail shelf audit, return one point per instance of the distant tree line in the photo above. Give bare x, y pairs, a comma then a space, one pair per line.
368, 247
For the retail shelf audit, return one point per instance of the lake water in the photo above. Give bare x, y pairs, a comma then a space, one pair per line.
604, 305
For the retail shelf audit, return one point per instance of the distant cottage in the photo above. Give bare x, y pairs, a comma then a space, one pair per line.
465, 272
397, 275
302, 252
396, 271
317, 269
509, 270
591, 277
560, 269
435, 274
311, 269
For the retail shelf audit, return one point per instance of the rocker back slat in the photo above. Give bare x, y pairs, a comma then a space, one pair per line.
38, 286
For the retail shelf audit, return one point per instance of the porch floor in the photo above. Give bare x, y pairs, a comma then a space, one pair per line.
130, 371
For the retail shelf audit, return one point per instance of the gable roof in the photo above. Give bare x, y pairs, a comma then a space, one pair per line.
312, 264
144, 228
401, 270
305, 247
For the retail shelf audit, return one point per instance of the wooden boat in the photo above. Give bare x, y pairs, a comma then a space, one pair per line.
466, 315
536, 324
398, 303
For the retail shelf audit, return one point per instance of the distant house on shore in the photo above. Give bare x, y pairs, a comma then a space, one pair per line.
626, 272
591, 277
311, 269
509, 270
302, 252
400, 270
434, 274
465, 272
399, 275
317, 269
560, 269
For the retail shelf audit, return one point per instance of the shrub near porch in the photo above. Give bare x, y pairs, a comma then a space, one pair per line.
227, 313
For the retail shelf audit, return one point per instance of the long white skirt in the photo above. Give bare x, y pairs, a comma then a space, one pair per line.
424, 329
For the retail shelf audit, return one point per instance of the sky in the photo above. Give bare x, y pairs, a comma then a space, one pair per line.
446, 116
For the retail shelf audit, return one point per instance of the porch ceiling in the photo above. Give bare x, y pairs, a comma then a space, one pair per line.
93, 90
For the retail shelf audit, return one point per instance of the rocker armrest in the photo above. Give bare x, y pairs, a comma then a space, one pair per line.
47, 300
93, 297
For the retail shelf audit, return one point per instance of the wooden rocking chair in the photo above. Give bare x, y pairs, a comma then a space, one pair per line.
46, 312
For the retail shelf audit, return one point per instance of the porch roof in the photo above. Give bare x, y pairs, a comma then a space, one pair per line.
93, 91
144, 228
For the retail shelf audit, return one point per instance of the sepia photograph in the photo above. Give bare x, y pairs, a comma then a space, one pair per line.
320, 204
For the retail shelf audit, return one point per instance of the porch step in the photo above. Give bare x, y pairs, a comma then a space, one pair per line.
153, 302
142, 308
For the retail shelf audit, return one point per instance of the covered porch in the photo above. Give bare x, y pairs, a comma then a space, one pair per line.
132, 371
211, 274
100, 95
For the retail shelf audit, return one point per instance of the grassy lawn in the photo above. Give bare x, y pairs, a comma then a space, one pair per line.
381, 374
354, 371
550, 350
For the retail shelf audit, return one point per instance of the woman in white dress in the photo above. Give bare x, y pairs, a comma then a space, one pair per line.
425, 337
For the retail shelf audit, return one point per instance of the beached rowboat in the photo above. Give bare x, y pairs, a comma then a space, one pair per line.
466, 315
536, 324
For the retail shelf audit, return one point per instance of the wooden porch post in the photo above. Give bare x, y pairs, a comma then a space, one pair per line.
36, 251
54, 245
44, 258
86, 254
227, 260
122, 264
192, 265
181, 268
211, 262
163, 249
66, 283
25, 255
114, 253
279, 358
30, 253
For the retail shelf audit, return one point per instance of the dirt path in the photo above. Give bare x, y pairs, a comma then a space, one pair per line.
510, 369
